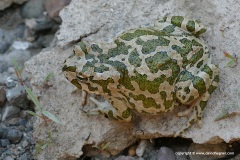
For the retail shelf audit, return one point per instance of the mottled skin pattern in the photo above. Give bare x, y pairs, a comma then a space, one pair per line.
150, 70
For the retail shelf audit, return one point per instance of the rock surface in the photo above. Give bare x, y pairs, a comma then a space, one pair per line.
101, 21
207, 148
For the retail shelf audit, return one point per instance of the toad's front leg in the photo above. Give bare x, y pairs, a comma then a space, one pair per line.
117, 110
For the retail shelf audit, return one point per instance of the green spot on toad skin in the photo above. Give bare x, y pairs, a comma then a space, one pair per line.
169, 29
144, 84
163, 95
175, 71
191, 122
203, 30
96, 48
200, 64
216, 78
90, 56
187, 43
203, 104
185, 75
83, 46
195, 43
186, 90
88, 65
104, 84
110, 115
190, 26
183, 51
101, 69
75, 83
208, 70
150, 45
196, 57
124, 77
90, 88
190, 99
159, 61
113, 52
126, 113
127, 99
147, 101
163, 20
199, 84
134, 58
69, 68
167, 104
211, 89
177, 20
142, 32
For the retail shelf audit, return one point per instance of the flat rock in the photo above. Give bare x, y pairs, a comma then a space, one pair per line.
101, 21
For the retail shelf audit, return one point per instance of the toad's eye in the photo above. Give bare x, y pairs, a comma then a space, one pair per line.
82, 78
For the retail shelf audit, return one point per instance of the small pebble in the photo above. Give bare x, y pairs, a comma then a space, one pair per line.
23, 45
141, 147
32, 9
25, 144
166, 153
17, 96
9, 111
4, 142
17, 122
14, 135
9, 158
132, 150
6, 38
10, 83
24, 157
3, 132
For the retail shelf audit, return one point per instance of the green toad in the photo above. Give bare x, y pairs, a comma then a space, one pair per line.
148, 70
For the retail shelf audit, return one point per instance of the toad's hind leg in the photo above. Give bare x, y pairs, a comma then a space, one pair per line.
118, 110
199, 104
196, 115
